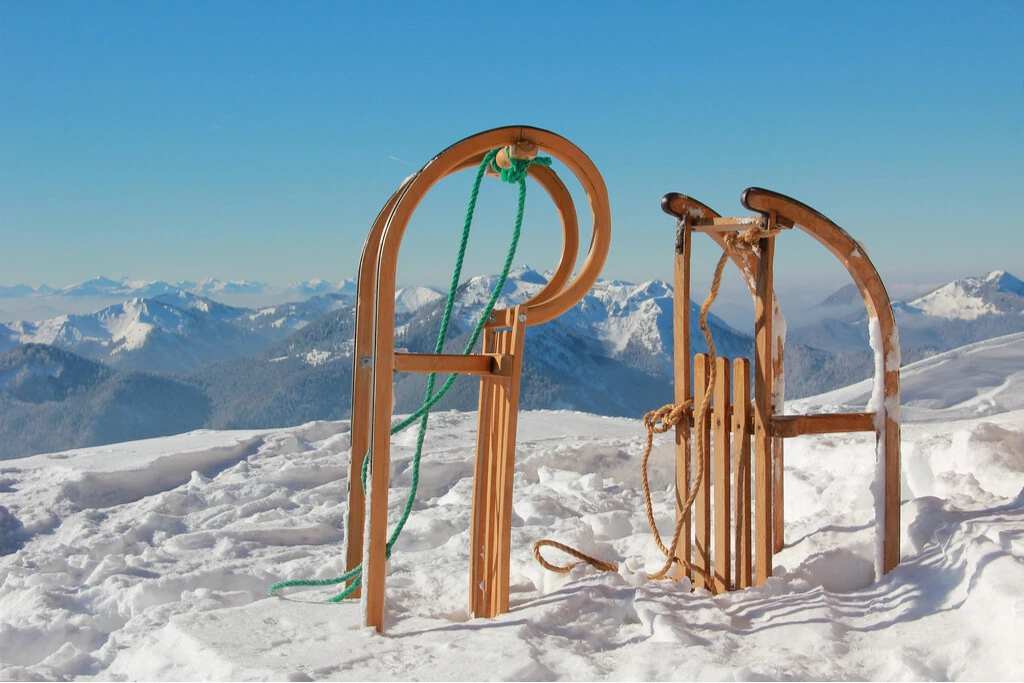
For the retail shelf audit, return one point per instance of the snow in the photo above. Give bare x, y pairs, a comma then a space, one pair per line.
410, 299
150, 560
876, 404
977, 380
316, 357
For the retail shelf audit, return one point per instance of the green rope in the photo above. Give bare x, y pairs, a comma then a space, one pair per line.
516, 173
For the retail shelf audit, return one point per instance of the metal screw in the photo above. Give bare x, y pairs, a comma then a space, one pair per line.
492, 319
365, 362
522, 317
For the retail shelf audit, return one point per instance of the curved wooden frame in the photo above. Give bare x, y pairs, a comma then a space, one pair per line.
375, 358
769, 425
876, 300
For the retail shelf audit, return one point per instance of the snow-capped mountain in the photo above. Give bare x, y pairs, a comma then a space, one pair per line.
998, 293
175, 332
610, 354
170, 333
320, 286
958, 313
632, 322
126, 288
412, 298
98, 286
214, 287
17, 291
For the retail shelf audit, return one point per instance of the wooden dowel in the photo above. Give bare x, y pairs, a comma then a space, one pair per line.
524, 149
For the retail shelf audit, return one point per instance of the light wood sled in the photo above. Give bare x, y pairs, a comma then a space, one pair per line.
739, 552
499, 365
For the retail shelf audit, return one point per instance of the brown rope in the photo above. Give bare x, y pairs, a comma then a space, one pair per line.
665, 418
586, 559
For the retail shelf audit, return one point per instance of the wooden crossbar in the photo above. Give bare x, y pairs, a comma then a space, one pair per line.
788, 426
714, 224
493, 364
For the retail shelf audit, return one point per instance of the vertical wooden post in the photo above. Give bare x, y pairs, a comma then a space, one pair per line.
741, 430
505, 463
681, 371
375, 552
778, 449
763, 372
722, 427
362, 377
702, 506
481, 475
891, 540
361, 396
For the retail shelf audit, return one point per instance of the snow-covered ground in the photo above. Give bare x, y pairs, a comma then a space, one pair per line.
151, 560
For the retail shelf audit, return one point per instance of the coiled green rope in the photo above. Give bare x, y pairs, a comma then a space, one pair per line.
516, 173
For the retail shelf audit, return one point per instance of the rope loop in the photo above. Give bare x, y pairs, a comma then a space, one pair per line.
600, 565
666, 417
519, 168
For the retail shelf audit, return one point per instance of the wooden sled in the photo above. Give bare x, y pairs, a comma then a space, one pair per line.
723, 560
499, 366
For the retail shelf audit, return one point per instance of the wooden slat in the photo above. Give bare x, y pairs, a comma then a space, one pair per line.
702, 506
478, 521
763, 341
498, 422
723, 540
787, 426
476, 364
741, 427
681, 371
506, 464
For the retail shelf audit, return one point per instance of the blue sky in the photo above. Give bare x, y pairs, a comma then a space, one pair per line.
258, 140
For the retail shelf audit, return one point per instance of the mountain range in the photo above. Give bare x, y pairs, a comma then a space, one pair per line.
211, 365
127, 288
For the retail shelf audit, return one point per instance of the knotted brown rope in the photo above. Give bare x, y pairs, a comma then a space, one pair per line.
665, 418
